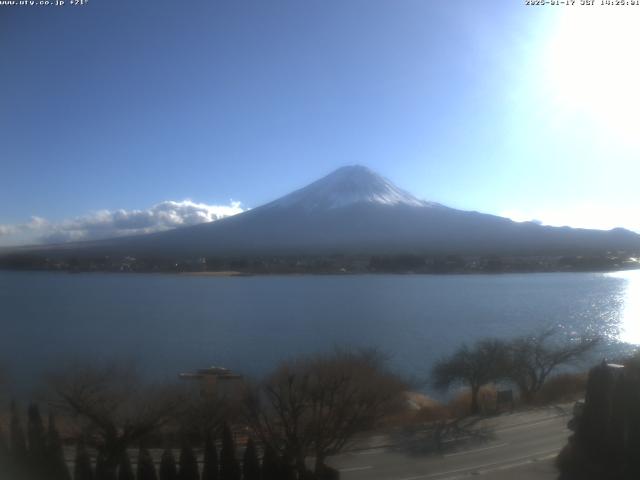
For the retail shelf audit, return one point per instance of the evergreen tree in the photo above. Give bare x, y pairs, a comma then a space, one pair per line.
99, 470
146, 468
56, 464
36, 440
188, 463
17, 442
270, 464
5, 457
287, 470
210, 470
125, 470
250, 462
168, 469
103, 470
82, 469
229, 468
4, 447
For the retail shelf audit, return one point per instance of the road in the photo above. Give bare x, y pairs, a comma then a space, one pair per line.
519, 445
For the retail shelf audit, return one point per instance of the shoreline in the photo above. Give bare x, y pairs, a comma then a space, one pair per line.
225, 273
236, 273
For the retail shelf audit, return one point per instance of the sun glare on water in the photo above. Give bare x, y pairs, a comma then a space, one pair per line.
592, 67
630, 315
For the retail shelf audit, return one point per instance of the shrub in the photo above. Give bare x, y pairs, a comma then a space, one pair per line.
459, 406
565, 387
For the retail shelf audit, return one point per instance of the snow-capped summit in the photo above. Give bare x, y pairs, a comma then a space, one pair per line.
349, 185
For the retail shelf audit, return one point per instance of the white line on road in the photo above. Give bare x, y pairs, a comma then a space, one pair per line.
373, 451
464, 452
514, 465
457, 439
500, 468
503, 463
528, 425
356, 469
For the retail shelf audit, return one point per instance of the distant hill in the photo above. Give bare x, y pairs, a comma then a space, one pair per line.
355, 211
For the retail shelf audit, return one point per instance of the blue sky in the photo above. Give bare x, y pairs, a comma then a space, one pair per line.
123, 106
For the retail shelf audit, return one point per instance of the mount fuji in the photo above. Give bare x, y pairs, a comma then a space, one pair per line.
354, 211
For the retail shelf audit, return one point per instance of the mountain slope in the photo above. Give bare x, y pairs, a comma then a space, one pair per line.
355, 211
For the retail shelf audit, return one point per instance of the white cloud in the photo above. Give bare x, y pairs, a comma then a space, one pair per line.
115, 223
7, 230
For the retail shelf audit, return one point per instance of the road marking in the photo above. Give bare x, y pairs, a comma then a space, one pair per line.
373, 451
500, 468
356, 469
457, 439
464, 452
527, 425
474, 469
514, 465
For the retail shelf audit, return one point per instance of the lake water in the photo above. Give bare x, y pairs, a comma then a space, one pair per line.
171, 323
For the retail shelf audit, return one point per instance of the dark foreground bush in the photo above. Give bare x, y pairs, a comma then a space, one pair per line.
606, 438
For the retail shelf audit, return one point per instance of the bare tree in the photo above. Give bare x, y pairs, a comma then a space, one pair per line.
533, 358
116, 406
472, 366
314, 406
204, 416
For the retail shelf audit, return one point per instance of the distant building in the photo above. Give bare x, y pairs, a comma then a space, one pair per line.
215, 382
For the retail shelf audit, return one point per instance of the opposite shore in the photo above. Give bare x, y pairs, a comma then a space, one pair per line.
337, 264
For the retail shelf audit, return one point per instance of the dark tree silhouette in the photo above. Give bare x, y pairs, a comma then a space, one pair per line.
210, 470
250, 462
125, 470
473, 367
104, 470
533, 358
82, 469
288, 469
56, 464
5, 457
202, 415
18, 443
146, 468
270, 464
4, 446
37, 441
188, 463
120, 407
168, 469
229, 468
